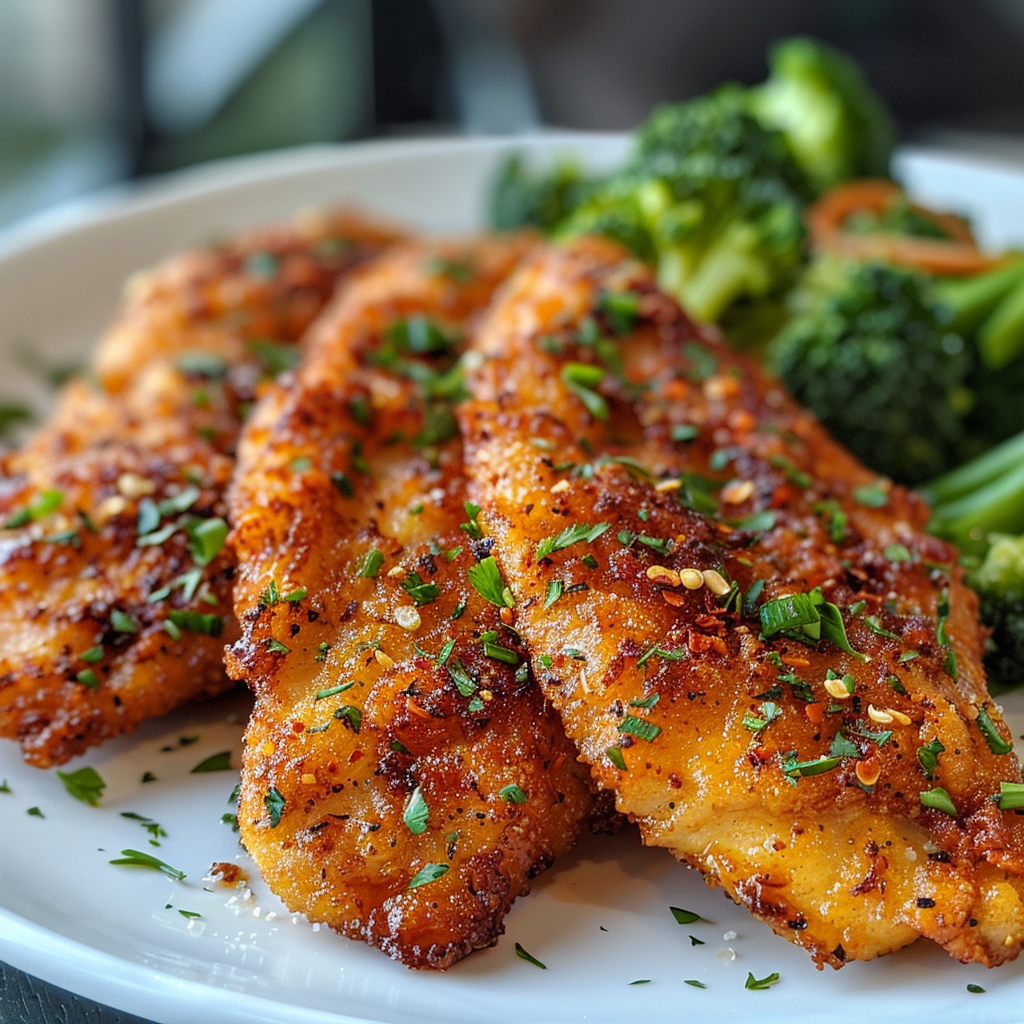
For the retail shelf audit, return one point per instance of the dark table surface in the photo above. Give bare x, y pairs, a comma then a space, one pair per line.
28, 1000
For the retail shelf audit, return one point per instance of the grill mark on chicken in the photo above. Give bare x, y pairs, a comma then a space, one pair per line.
600, 406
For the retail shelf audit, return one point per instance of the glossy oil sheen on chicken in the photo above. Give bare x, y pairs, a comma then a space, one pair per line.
115, 586
750, 639
403, 778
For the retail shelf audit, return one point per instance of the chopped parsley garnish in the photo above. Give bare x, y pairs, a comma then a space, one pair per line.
897, 553
641, 981
660, 652
5, 787
372, 561
793, 473
616, 758
759, 984
554, 592
350, 717
202, 364
684, 432
428, 873
621, 310
928, 756
647, 702
639, 727
769, 712
529, 957
499, 653
871, 496
42, 505
512, 794
696, 492
472, 527
806, 615
214, 763
189, 914
835, 518
995, 741
206, 539
975, 989
276, 647
35, 812
416, 814
93, 655
1011, 796
464, 682
684, 916
294, 596
939, 800
487, 580
943, 637
138, 859
842, 746
88, 678
154, 828
581, 379
85, 785
274, 803
421, 593
791, 767
275, 356
343, 484
330, 691
693, 982
459, 271
121, 622
270, 596
576, 534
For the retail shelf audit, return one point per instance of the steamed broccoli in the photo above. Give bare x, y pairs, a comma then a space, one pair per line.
980, 508
871, 352
521, 198
714, 190
713, 196
836, 124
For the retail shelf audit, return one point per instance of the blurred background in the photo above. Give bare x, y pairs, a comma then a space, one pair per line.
93, 92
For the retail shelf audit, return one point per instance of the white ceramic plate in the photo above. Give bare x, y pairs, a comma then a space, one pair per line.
599, 920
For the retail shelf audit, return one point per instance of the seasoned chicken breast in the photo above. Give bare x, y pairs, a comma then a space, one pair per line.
748, 637
403, 778
115, 584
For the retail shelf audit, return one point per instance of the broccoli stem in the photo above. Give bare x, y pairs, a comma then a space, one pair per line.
997, 506
1001, 337
985, 469
973, 299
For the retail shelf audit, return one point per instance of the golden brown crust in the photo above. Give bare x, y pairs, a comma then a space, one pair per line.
713, 723
86, 652
363, 698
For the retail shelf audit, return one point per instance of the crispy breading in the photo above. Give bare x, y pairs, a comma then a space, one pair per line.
833, 761
119, 498
403, 778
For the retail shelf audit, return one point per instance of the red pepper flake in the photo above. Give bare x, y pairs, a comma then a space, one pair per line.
815, 713
673, 598
298, 726
742, 421
354, 756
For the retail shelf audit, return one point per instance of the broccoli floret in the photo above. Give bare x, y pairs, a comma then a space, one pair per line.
999, 581
837, 125
870, 351
541, 199
713, 197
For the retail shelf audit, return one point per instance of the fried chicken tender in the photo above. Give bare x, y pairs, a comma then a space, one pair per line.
403, 778
115, 585
749, 639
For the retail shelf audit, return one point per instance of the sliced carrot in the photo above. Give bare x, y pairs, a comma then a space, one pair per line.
956, 256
